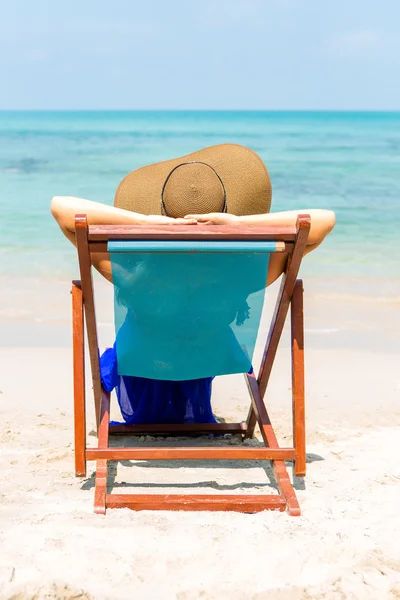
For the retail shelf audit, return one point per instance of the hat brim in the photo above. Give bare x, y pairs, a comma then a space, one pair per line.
244, 175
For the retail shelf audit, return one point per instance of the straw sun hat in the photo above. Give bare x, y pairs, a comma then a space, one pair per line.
224, 178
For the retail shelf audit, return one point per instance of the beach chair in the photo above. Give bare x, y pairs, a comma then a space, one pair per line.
192, 240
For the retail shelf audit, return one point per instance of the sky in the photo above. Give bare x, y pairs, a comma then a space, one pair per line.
204, 54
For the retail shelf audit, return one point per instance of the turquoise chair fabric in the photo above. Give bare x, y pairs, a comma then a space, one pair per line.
187, 310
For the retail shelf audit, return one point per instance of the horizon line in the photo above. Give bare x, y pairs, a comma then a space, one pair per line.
259, 110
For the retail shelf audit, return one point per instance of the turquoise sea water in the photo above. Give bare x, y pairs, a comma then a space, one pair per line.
347, 162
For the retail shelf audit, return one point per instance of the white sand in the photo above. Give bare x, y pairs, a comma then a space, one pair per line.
346, 544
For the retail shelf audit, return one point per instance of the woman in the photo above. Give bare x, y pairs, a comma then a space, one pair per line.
223, 185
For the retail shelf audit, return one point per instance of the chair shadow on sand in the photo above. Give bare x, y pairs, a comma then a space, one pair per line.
136, 441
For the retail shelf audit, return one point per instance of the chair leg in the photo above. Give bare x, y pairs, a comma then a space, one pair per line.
251, 423
100, 493
286, 488
298, 403
268, 434
79, 380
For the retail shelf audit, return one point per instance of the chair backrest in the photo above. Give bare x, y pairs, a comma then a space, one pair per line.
190, 293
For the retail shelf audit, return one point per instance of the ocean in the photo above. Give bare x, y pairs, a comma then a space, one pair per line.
348, 162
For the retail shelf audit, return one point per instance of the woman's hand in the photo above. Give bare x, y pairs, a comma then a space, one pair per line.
162, 220
213, 219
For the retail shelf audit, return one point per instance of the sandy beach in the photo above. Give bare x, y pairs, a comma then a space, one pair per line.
346, 544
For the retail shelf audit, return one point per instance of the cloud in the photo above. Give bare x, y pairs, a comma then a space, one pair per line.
354, 44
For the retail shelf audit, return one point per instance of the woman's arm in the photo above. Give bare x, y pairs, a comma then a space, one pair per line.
64, 209
322, 223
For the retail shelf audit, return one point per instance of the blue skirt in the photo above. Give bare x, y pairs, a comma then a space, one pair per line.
144, 401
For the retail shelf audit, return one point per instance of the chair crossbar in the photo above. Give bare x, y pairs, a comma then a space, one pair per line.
103, 233
195, 502
170, 429
190, 453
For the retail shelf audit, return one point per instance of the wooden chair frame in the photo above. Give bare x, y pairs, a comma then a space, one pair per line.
292, 241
